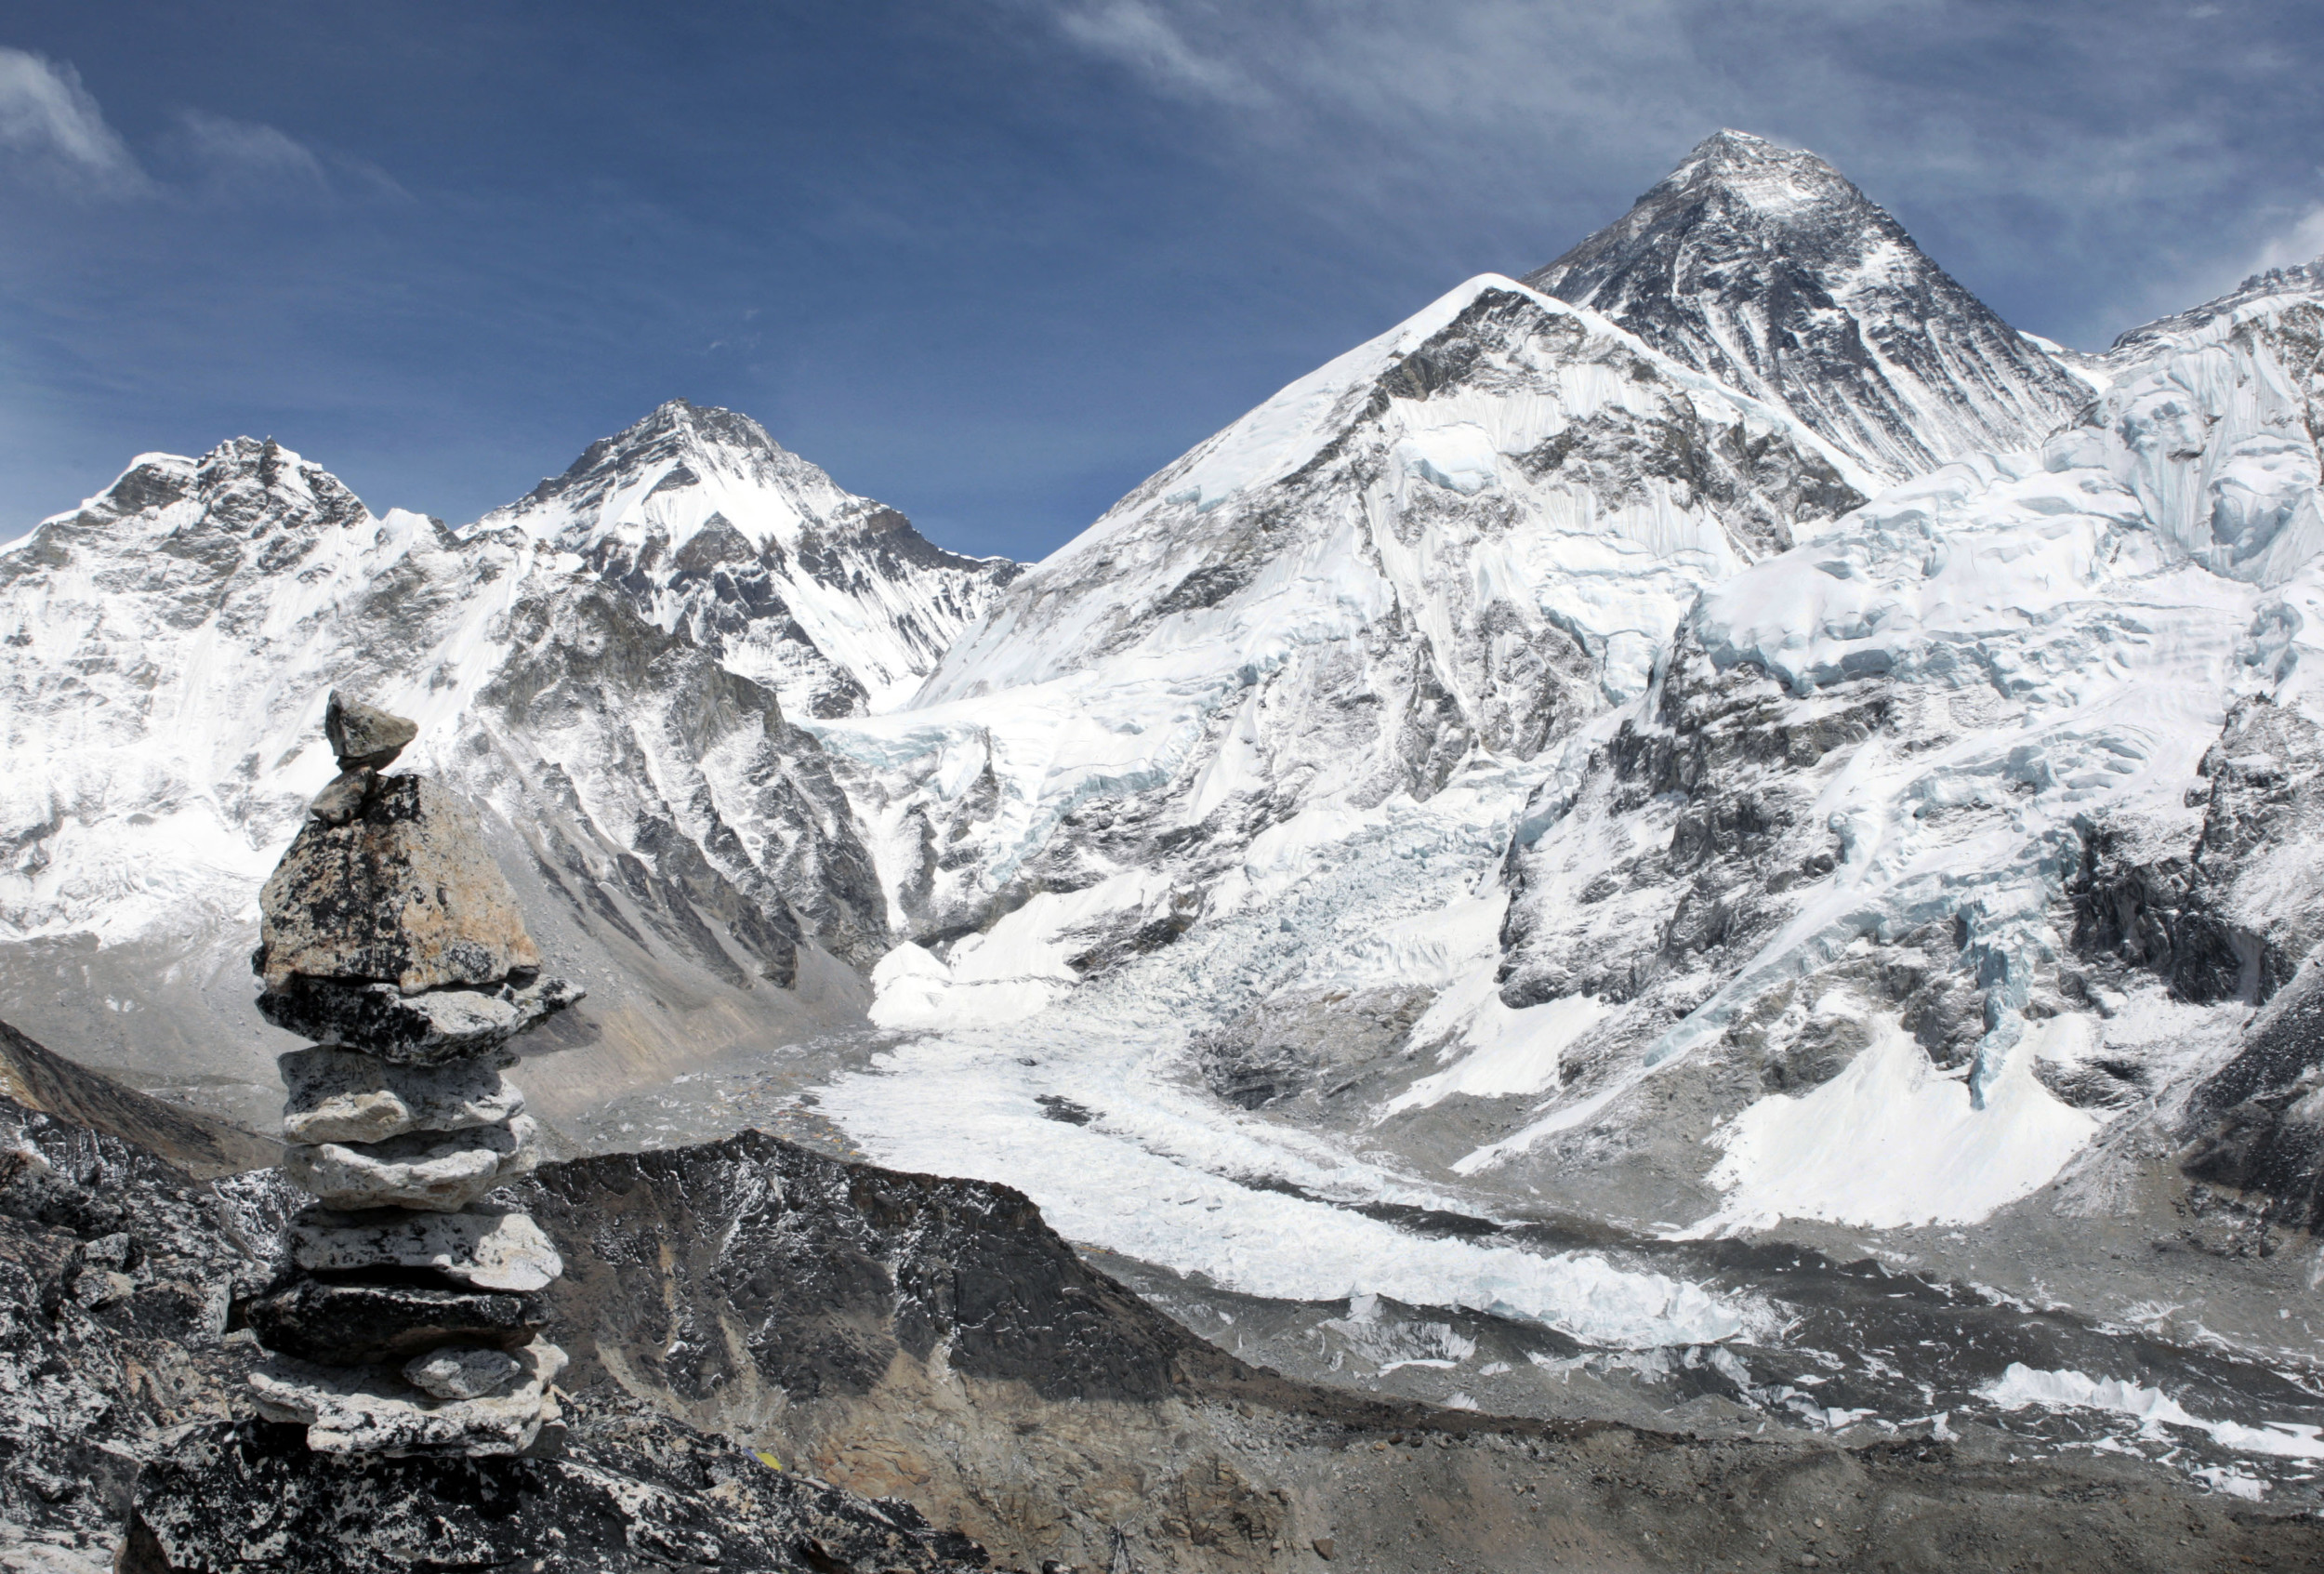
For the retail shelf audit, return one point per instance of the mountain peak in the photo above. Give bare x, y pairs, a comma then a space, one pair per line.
1765, 177
1767, 268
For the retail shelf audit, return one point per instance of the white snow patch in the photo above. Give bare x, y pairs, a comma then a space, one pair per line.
1892, 1141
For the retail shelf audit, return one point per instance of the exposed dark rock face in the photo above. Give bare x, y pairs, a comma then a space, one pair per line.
1725, 769
2258, 1121
118, 1276
355, 1325
757, 1262
1768, 270
632, 1492
2229, 912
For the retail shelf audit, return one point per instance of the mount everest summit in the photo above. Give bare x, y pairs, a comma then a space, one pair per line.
1719, 732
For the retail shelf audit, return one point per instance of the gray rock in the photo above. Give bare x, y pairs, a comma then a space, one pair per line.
374, 1412
463, 1374
438, 1172
363, 734
347, 1096
489, 1251
442, 1024
342, 799
405, 893
358, 1325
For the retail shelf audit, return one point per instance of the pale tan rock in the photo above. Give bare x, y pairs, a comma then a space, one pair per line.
405, 893
484, 1250
437, 1172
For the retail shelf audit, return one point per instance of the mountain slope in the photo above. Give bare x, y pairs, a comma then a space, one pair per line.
1767, 269
1446, 546
706, 524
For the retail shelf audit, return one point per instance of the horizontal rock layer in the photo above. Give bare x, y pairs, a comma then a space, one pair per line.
347, 1096
486, 1250
423, 1029
437, 1172
355, 1325
370, 1412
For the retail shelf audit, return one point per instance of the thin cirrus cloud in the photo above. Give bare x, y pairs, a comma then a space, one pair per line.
52, 129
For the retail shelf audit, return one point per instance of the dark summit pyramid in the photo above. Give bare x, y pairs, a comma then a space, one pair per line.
1767, 268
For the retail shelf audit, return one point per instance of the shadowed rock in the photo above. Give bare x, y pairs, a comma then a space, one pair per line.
442, 1025
364, 735
359, 1325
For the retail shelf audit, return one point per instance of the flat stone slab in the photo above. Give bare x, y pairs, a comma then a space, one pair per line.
487, 1249
405, 893
346, 1096
438, 1172
375, 1412
453, 1373
423, 1029
357, 1325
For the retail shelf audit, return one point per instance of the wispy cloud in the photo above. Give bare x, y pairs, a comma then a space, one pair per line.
246, 156
1142, 37
51, 127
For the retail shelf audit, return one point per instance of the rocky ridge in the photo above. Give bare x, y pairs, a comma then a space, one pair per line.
708, 526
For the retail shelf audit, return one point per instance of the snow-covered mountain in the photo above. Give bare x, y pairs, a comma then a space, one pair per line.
1520, 761
704, 522
1724, 732
586, 663
1444, 548
1767, 268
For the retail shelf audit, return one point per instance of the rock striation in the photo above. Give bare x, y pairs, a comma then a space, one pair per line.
406, 1320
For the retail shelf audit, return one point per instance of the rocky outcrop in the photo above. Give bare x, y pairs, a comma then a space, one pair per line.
2258, 1121
2226, 908
633, 1491
389, 932
200, 1145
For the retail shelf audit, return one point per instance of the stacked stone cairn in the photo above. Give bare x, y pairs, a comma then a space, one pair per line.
406, 1320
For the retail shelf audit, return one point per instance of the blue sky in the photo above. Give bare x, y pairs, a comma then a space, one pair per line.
993, 262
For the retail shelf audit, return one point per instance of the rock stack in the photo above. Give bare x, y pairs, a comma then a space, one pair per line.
405, 1321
